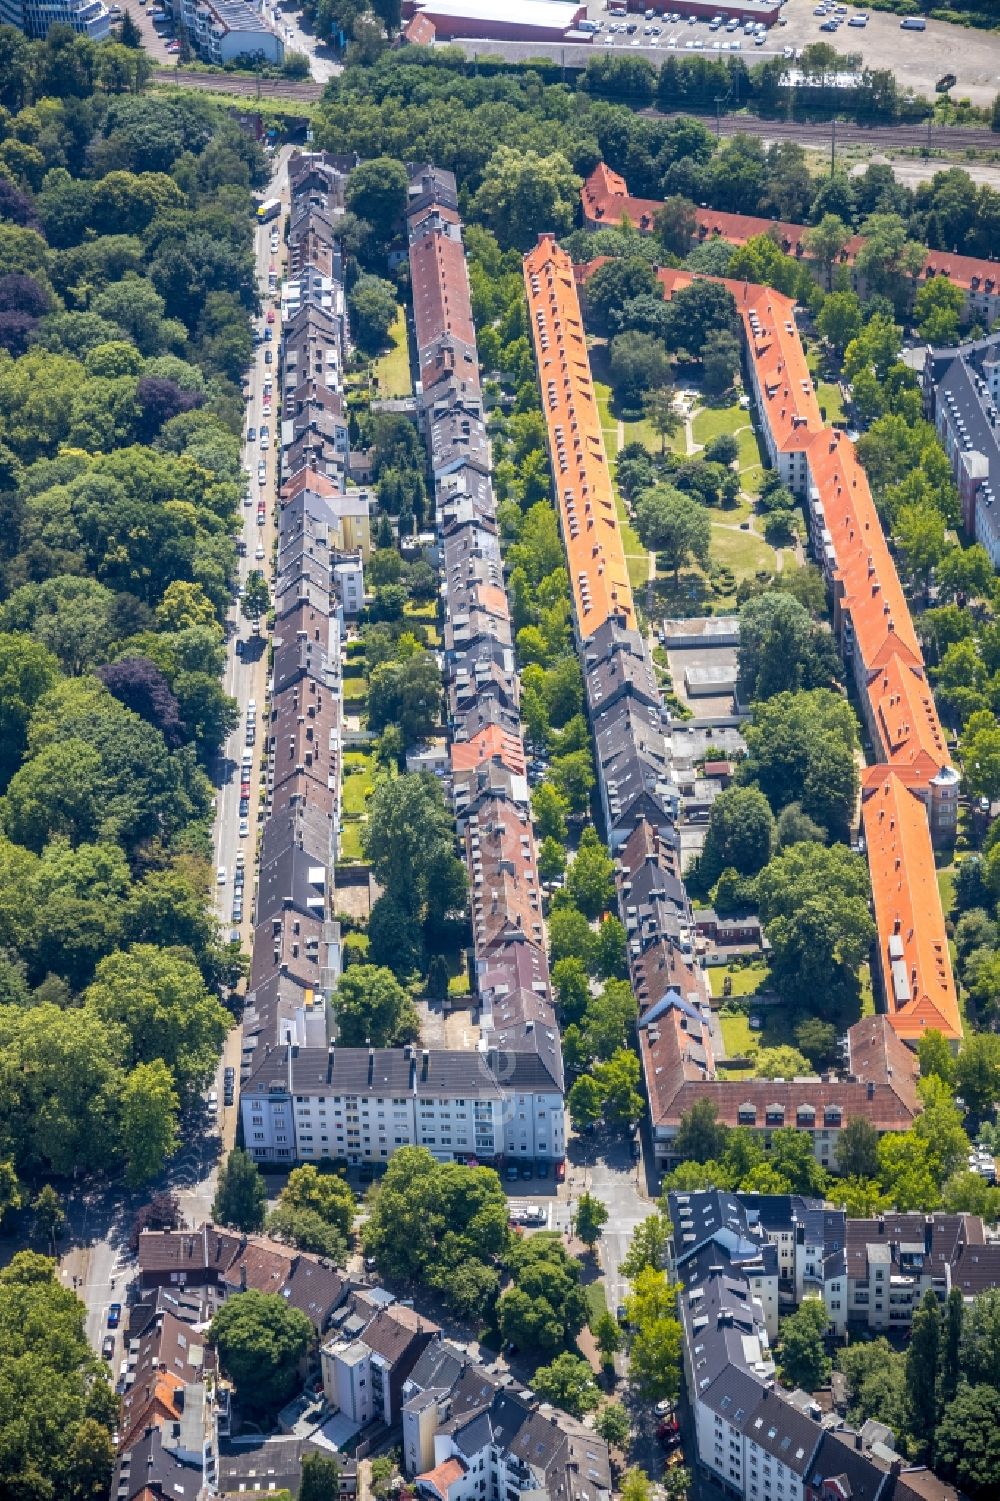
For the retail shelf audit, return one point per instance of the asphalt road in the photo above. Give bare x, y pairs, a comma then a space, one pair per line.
298, 36
246, 674
97, 1261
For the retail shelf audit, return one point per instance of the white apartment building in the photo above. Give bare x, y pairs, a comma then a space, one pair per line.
34, 17
223, 30
364, 1104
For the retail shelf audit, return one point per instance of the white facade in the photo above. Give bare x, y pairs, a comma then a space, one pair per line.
34, 17
222, 31
347, 1385
369, 1128
349, 579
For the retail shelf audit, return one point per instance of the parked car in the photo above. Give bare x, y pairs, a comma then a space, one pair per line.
244, 828
270, 315
251, 435
108, 1347
512, 1173
212, 1103
114, 1315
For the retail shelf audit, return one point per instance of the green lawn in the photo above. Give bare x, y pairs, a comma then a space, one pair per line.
459, 984
830, 401
710, 422
867, 994
741, 551
357, 789
642, 432
749, 453
426, 613
746, 980
597, 1303
350, 843
392, 369
777, 1030
636, 556
946, 886
736, 1035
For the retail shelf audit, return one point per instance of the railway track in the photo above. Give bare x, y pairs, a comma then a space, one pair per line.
245, 86
914, 137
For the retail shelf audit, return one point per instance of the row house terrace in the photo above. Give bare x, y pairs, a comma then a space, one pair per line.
599, 579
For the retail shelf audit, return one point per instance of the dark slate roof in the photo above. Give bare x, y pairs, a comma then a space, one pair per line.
377, 1071
784, 1432
264, 1464
316, 1288
863, 1477
294, 879
148, 1465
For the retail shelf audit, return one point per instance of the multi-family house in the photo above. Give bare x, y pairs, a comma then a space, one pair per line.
607, 201
754, 1438
509, 1446
962, 398
365, 1363
877, 1084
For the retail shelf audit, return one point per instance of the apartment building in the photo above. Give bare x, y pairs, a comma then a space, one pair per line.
606, 201
878, 641
735, 1256
222, 31
962, 398
175, 1427
599, 579
34, 17
366, 1361
878, 1084
779, 378
471, 1433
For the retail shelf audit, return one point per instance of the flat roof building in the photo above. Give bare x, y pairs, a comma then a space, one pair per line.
520, 20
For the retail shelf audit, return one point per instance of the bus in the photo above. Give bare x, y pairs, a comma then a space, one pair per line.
268, 210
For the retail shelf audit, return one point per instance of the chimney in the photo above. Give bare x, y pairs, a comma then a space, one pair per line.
243, 1276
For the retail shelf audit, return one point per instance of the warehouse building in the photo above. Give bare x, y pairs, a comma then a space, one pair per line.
520, 21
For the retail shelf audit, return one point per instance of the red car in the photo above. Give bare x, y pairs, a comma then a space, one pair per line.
270, 315
560, 1171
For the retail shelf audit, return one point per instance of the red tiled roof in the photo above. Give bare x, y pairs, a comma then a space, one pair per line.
500, 854
591, 533
606, 201
787, 396
911, 930
421, 31
491, 741
890, 1103
443, 1476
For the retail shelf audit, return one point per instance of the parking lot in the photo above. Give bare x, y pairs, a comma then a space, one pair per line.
917, 58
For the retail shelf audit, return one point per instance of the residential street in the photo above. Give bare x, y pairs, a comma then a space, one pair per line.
99, 1221
299, 37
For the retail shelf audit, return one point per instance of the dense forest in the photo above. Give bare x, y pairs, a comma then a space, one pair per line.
126, 284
